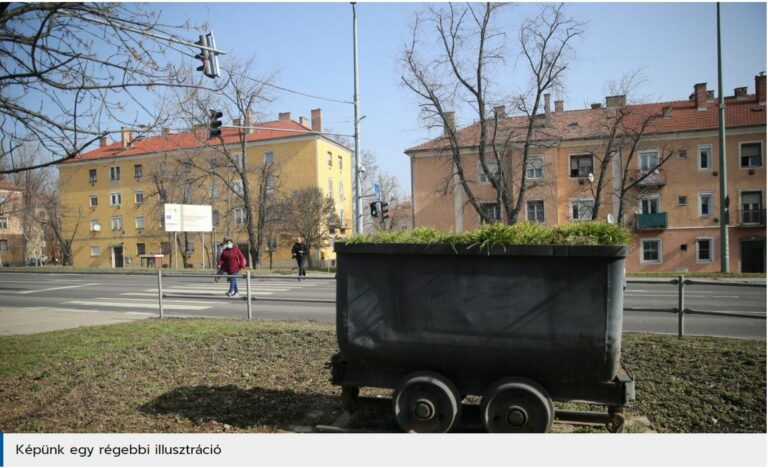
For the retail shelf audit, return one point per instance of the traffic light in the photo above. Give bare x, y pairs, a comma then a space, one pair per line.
209, 59
374, 209
384, 210
214, 127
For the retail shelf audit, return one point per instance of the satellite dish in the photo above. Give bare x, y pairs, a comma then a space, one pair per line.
610, 218
97, 227
591, 177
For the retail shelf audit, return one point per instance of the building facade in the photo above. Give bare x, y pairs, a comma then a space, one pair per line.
669, 178
12, 245
113, 197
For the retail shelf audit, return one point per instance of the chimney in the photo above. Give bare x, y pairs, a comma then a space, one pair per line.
284, 116
613, 102
450, 120
303, 121
596, 105
250, 122
237, 123
700, 96
317, 120
546, 104
126, 137
500, 112
103, 141
740, 93
760, 88
559, 105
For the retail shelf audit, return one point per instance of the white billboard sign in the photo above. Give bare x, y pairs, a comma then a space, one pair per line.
188, 218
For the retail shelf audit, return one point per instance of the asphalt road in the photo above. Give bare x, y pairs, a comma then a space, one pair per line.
285, 298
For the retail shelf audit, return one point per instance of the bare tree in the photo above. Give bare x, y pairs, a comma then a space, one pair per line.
306, 212
469, 47
54, 217
253, 182
75, 72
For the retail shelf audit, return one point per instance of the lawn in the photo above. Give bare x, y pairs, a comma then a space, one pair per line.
238, 376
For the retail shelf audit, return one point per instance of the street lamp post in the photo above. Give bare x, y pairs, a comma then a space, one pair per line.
724, 199
357, 208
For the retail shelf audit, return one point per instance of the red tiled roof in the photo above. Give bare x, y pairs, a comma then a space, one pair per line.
194, 139
9, 186
592, 123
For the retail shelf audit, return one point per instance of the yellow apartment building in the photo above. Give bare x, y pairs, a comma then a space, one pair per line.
673, 212
113, 196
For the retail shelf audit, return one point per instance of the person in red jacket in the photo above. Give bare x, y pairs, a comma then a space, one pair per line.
231, 261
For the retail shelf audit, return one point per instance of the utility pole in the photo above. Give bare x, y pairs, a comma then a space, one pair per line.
358, 207
724, 200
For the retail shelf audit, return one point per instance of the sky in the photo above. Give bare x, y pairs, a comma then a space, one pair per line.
309, 45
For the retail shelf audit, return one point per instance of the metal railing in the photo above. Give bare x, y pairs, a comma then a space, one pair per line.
681, 310
249, 297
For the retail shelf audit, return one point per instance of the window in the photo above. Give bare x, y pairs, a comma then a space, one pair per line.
139, 222
95, 251
330, 159
341, 191
94, 200
163, 195
705, 157
92, 175
341, 163
115, 199
751, 207
269, 157
581, 165
342, 223
330, 188
535, 167
190, 246
491, 210
186, 167
271, 188
165, 248
650, 204
162, 220
651, 251
237, 186
3, 245
3, 223
137, 171
482, 176
649, 159
581, 209
751, 155
114, 173
536, 211
141, 249
117, 223
682, 200
139, 197
704, 250
215, 217
705, 205
682, 154
95, 225
239, 216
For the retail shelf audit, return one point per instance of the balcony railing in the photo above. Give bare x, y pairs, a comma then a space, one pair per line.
652, 178
650, 221
749, 218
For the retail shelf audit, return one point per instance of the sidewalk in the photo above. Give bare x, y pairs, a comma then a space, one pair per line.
30, 320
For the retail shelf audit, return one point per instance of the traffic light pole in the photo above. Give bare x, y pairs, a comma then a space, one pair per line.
358, 211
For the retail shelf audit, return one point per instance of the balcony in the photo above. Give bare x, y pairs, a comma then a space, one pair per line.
650, 221
750, 218
654, 178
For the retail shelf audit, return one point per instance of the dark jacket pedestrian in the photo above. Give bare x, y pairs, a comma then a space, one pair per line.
231, 261
299, 252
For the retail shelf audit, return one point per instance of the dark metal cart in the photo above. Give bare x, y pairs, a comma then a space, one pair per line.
520, 326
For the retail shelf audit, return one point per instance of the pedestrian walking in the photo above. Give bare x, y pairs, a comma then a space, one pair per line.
231, 261
219, 270
299, 252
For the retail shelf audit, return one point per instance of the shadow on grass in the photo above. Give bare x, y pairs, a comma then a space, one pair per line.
255, 407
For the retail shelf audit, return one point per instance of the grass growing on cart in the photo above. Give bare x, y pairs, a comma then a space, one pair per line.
236, 376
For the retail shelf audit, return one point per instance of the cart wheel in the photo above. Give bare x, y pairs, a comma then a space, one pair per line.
618, 420
426, 402
517, 405
349, 398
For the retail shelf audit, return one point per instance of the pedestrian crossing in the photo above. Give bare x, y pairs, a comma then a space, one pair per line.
173, 296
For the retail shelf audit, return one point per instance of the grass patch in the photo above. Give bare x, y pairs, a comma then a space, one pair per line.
581, 233
237, 376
